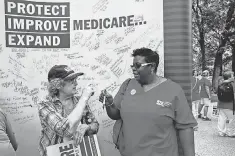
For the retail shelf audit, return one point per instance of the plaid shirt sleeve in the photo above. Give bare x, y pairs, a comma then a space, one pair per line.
54, 120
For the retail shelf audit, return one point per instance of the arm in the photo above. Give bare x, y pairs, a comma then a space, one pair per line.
113, 110
186, 137
11, 134
208, 85
200, 88
184, 123
60, 125
208, 91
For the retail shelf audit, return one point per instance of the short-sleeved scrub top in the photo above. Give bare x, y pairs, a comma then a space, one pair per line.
195, 89
150, 128
203, 83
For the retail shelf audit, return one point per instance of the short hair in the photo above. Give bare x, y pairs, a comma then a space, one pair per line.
150, 55
205, 73
227, 74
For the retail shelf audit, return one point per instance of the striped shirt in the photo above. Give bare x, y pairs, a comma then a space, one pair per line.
54, 123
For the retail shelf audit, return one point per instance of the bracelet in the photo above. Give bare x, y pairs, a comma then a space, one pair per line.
108, 105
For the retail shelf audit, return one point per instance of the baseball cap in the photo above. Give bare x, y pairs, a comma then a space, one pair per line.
63, 72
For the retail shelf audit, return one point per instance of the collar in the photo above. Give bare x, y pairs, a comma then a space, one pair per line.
56, 100
53, 99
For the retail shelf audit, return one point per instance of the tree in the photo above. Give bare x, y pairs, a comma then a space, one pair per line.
199, 31
224, 38
207, 22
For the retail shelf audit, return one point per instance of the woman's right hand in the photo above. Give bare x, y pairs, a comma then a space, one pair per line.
79, 134
108, 97
88, 92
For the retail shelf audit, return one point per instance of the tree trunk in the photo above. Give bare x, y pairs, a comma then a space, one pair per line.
217, 69
233, 59
203, 49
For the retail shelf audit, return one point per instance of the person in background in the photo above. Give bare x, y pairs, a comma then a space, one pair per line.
195, 95
205, 95
199, 75
226, 119
63, 115
8, 144
153, 110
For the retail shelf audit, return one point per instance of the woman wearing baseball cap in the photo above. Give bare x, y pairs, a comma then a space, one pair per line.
63, 115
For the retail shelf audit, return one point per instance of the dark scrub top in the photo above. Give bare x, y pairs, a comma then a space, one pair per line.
203, 83
148, 127
195, 89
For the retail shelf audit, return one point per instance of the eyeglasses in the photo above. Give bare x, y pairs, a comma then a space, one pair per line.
138, 65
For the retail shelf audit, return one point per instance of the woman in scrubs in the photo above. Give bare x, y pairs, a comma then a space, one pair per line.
152, 108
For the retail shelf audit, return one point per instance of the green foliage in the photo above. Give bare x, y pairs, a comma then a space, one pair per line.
208, 22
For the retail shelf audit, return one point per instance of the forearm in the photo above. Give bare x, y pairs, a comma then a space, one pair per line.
113, 112
75, 116
186, 137
208, 91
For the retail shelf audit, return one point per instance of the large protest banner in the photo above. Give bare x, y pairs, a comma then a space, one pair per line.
95, 37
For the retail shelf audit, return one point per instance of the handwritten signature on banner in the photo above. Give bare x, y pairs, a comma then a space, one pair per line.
43, 64
107, 123
154, 44
122, 49
15, 104
3, 74
114, 38
103, 59
73, 55
20, 55
91, 42
18, 69
20, 50
100, 6
129, 30
94, 67
143, 35
24, 119
115, 67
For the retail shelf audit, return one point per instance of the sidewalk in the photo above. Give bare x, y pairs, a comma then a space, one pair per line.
209, 143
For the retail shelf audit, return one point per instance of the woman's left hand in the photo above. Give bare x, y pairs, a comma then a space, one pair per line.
79, 134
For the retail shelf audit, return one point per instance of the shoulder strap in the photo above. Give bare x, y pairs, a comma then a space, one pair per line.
128, 81
116, 145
